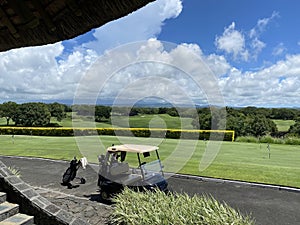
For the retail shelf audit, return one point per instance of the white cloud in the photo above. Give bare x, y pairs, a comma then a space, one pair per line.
244, 45
276, 85
140, 25
232, 42
176, 74
35, 73
262, 24
46, 72
257, 46
29, 71
218, 64
279, 49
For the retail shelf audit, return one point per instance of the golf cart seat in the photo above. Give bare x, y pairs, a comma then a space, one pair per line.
119, 168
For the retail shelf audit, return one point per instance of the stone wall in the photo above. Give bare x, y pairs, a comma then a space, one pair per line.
32, 203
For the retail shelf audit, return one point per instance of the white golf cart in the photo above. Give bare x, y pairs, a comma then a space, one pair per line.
114, 173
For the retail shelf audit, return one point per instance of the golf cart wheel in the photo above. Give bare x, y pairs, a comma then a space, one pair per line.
82, 180
104, 195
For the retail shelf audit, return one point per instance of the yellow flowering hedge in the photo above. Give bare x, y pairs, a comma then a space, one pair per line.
228, 135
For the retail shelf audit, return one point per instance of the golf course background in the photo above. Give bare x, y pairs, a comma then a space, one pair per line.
235, 160
264, 159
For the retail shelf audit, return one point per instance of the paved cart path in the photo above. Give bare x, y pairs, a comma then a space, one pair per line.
272, 206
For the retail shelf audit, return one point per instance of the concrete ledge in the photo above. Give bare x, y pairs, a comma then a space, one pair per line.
31, 203
250, 184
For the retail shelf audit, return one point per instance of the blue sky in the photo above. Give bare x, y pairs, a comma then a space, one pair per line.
252, 47
275, 24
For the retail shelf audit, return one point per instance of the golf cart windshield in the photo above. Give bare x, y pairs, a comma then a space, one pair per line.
146, 164
152, 167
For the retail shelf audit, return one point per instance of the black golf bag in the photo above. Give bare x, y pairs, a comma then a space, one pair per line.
71, 172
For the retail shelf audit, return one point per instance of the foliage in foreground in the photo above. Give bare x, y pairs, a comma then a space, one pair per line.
15, 171
158, 208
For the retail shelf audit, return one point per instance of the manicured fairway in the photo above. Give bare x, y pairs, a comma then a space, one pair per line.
239, 161
284, 125
138, 121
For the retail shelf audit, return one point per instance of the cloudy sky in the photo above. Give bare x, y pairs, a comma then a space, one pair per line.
247, 52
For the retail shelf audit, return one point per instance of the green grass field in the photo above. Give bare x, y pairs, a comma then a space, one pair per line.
239, 161
284, 125
139, 121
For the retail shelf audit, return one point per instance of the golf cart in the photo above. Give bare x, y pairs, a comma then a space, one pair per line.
114, 173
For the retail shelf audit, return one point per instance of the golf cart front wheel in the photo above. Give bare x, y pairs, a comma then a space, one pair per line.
82, 180
104, 195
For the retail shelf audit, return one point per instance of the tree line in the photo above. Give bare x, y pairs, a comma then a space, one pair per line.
246, 121
35, 114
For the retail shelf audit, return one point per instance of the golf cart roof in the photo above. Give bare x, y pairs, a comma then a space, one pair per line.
132, 148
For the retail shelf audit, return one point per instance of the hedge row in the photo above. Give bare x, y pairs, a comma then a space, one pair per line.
137, 132
287, 140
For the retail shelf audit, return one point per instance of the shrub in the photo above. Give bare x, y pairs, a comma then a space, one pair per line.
156, 207
248, 139
137, 132
292, 140
14, 170
271, 140
266, 139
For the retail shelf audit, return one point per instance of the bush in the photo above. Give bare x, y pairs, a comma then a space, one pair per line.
271, 140
156, 207
137, 132
292, 140
248, 139
289, 140
266, 139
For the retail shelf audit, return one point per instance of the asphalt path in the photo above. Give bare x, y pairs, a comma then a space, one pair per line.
267, 205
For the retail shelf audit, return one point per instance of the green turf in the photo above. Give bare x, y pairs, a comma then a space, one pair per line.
284, 125
154, 121
141, 121
239, 161
138, 121
3, 121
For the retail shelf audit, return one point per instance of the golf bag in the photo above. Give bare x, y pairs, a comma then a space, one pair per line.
71, 172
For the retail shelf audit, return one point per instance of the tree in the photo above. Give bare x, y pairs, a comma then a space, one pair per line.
284, 114
162, 110
133, 111
102, 113
32, 114
259, 125
295, 129
236, 123
84, 110
172, 112
8, 110
204, 122
57, 110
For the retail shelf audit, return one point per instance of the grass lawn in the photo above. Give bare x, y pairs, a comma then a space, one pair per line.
284, 125
3, 121
139, 121
154, 121
239, 161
